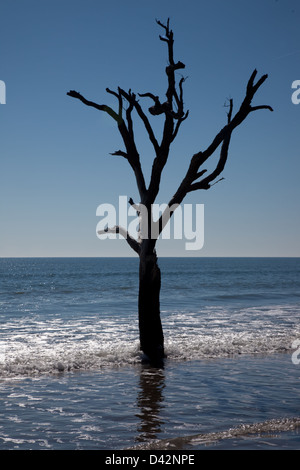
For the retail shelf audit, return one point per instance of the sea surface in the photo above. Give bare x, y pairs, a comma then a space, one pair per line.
70, 367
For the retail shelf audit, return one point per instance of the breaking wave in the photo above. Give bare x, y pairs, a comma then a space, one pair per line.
34, 346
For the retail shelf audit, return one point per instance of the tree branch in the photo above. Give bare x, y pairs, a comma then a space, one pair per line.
171, 115
134, 205
100, 107
126, 133
120, 153
256, 108
129, 118
133, 103
223, 137
119, 97
241, 115
134, 244
205, 183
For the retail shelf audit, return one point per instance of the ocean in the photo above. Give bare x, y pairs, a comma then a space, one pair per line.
70, 367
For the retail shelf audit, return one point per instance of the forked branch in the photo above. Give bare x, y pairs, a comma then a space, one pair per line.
126, 132
188, 183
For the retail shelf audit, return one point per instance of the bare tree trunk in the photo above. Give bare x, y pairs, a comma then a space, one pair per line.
151, 333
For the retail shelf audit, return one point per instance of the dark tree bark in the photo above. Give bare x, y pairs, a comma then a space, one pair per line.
151, 332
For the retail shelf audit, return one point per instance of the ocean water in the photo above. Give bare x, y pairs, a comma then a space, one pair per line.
70, 369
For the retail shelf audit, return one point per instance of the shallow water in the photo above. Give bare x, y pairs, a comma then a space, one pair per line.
123, 407
70, 372
82, 313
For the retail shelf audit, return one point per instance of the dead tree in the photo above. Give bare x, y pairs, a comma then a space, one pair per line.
172, 110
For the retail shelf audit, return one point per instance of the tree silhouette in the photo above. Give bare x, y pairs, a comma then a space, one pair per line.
172, 109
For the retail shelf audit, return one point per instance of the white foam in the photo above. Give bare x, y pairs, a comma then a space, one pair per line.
33, 346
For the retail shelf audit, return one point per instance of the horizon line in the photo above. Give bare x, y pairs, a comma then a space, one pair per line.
136, 257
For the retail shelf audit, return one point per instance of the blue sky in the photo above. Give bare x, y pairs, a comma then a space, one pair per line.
55, 165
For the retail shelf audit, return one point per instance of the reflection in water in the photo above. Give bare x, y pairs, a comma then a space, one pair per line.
150, 401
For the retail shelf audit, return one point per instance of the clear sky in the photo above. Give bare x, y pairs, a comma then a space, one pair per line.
55, 165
